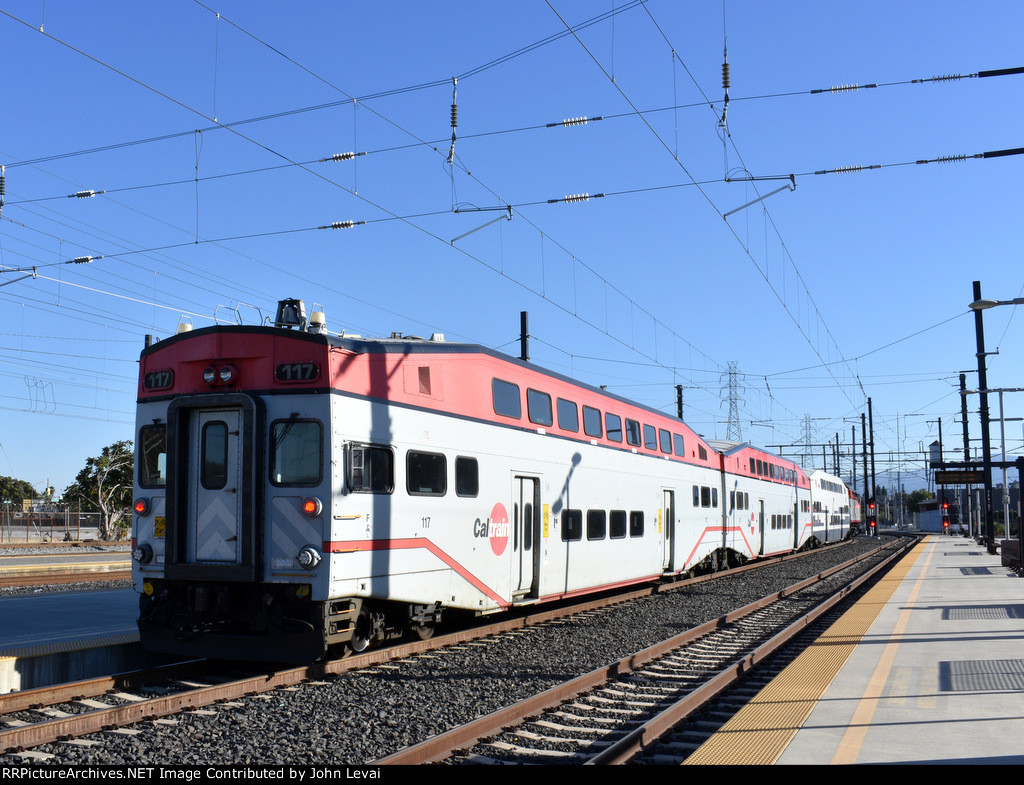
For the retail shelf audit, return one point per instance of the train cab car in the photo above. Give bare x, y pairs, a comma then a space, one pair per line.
298, 491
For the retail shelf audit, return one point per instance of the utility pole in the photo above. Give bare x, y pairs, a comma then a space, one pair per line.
986, 445
967, 456
871, 431
524, 336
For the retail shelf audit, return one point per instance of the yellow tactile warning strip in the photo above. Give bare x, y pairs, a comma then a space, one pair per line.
761, 730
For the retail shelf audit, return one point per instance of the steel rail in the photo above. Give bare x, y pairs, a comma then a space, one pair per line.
441, 746
626, 748
49, 731
45, 579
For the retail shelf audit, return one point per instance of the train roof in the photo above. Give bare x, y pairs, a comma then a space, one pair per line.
411, 346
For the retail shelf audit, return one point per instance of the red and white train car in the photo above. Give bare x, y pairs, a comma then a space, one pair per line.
297, 491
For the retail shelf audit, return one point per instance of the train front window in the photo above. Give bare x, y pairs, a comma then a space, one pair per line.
296, 452
153, 456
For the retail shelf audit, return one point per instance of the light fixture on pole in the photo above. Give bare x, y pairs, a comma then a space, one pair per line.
979, 305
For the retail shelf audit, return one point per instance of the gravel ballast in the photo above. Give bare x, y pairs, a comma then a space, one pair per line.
357, 717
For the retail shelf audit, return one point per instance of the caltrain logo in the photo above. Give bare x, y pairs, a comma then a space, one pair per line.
496, 529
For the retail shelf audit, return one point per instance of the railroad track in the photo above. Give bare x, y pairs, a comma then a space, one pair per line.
613, 714
62, 578
16, 568
70, 712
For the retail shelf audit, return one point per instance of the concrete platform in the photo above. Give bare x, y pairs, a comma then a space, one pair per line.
59, 636
927, 669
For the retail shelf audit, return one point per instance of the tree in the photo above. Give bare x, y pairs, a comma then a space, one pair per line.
106, 483
916, 497
14, 491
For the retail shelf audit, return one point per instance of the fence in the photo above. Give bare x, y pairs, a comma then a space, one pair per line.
49, 526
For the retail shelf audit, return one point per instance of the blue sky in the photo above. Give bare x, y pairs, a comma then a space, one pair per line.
207, 132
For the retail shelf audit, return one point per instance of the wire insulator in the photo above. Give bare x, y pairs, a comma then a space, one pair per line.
944, 78
343, 225
576, 120
951, 159
84, 194
455, 115
575, 198
82, 259
725, 75
341, 157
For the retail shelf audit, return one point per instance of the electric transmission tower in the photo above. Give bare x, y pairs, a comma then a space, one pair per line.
733, 430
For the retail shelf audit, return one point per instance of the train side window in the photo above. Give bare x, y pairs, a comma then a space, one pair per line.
538, 407
505, 396
371, 468
296, 452
696, 496
592, 422
213, 472
467, 477
753, 466
701, 452
650, 437
596, 524
636, 523
678, 445
665, 441
426, 473
568, 416
153, 456
714, 497
613, 427
572, 525
633, 432
617, 524
732, 500
705, 496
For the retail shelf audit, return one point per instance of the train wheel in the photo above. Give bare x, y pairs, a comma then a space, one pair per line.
362, 635
423, 632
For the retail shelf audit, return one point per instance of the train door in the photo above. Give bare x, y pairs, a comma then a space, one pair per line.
760, 524
525, 536
214, 484
667, 513
796, 524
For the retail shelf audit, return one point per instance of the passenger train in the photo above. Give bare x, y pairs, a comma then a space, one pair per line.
298, 492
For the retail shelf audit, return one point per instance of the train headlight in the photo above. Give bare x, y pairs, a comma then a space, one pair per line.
143, 554
227, 373
210, 375
141, 506
312, 506
309, 557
